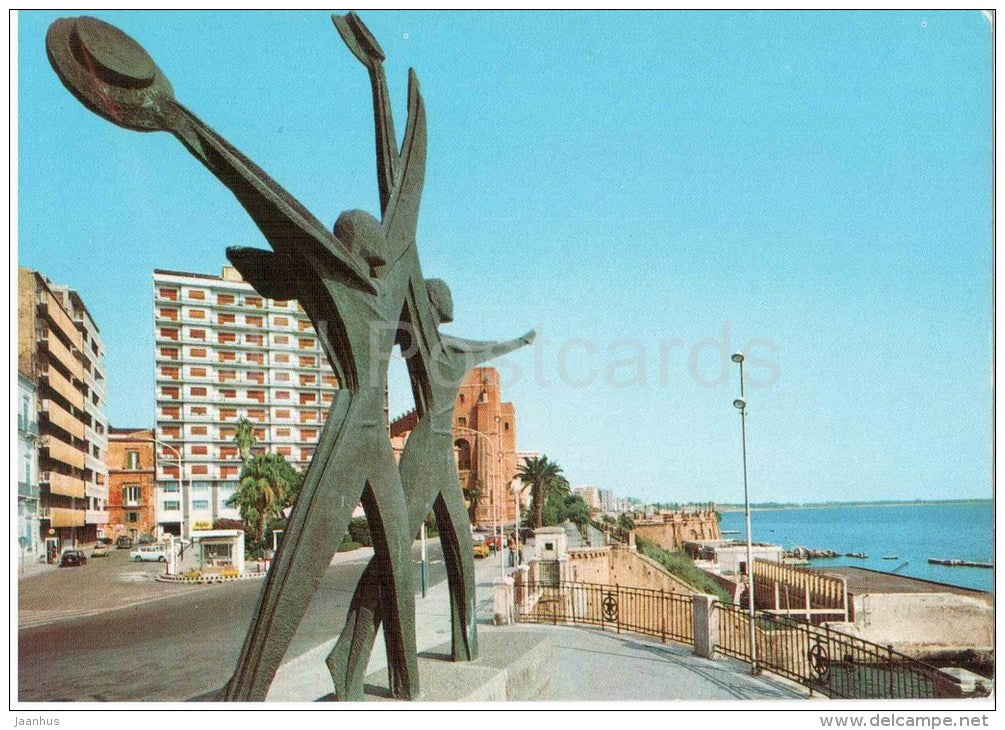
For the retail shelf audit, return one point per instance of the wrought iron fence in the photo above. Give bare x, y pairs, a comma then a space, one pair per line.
828, 661
660, 614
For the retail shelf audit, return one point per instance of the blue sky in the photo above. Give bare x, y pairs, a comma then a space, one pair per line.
650, 191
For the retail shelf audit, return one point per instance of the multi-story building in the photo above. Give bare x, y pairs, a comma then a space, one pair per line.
60, 349
131, 482
223, 353
484, 445
28, 537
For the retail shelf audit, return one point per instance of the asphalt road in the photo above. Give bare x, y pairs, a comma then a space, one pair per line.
171, 647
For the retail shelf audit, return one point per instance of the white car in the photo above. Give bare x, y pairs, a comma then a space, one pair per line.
155, 553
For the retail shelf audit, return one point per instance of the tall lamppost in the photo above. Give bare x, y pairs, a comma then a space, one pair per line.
492, 490
741, 405
517, 487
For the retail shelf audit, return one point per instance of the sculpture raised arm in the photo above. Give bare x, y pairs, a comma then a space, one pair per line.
114, 77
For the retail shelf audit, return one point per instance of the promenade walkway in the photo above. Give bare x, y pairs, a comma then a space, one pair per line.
591, 665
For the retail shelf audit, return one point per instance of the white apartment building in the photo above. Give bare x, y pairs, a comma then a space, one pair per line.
223, 353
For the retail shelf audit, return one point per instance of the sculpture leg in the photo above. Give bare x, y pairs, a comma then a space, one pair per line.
458, 555
317, 523
348, 659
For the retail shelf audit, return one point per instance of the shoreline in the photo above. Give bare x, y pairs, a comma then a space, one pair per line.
856, 505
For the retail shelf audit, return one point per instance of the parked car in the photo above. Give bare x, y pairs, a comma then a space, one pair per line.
105, 540
71, 558
147, 539
100, 550
124, 542
492, 541
151, 553
526, 533
481, 550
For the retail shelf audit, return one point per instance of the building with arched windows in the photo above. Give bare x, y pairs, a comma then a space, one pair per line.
484, 446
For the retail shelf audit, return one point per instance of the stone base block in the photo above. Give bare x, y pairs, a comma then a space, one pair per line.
514, 665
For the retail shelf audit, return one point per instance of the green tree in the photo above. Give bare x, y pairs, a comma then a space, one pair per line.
244, 437
625, 522
545, 478
577, 510
266, 485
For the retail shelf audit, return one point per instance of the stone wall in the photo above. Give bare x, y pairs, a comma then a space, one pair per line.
671, 530
919, 622
616, 565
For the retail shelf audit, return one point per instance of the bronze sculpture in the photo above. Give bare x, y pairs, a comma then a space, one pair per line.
363, 289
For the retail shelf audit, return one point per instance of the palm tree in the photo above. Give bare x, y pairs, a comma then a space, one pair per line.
545, 478
267, 482
244, 437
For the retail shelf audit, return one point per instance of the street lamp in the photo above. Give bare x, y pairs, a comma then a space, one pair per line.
517, 487
741, 405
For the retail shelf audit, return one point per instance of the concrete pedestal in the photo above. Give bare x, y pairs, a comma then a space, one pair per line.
706, 627
514, 665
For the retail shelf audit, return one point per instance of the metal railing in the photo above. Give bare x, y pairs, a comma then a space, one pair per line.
828, 661
660, 614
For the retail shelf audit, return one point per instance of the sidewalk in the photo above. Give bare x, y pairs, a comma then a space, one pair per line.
591, 665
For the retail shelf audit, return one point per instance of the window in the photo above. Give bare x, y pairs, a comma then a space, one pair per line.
132, 459
462, 422
170, 372
197, 313
200, 469
225, 300
257, 395
304, 325
255, 376
282, 395
284, 413
228, 393
282, 377
225, 375
307, 379
226, 337
198, 391
256, 415
169, 333
199, 411
202, 504
306, 398
198, 372
197, 293
170, 391
283, 432
308, 362
171, 486
200, 450
306, 343
330, 380
198, 352
308, 434
200, 430
171, 432
256, 357
228, 357
132, 516
170, 352
226, 318
171, 294
171, 505
228, 472
282, 358
197, 334
253, 319
281, 321
282, 340
227, 414
256, 340
131, 495
253, 302
169, 313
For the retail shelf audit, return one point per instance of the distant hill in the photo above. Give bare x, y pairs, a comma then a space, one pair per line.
731, 507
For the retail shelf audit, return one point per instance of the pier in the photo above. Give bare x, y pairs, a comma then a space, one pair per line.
959, 563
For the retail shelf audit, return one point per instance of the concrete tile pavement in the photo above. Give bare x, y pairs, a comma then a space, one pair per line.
591, 665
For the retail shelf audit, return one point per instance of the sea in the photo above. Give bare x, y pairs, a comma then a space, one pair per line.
908, 534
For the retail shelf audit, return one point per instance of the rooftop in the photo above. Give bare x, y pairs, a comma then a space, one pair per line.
864, 580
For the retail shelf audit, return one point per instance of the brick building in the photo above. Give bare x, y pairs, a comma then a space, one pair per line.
223, 353
484, 444
131, 482
60, 350
671, 530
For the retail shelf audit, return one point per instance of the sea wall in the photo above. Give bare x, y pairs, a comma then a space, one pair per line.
617, 565
671, 530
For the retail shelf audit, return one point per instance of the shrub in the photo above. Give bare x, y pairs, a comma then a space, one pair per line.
348, 545
359, 531
680, 565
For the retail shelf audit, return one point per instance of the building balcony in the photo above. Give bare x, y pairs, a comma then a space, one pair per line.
59, 383
96, 517
59, 416
63, 517
61, 451
27, 426
95, 464
58, 352
98, 439
63, 484
97, 491
62, 321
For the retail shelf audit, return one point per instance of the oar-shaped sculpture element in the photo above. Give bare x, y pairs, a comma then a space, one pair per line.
352, 284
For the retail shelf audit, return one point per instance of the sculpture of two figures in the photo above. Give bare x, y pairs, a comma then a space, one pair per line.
362, 287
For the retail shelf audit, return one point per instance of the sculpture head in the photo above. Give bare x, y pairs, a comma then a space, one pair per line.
439, 297
363, 235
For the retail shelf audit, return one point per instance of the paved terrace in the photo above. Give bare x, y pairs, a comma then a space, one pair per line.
592, 665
